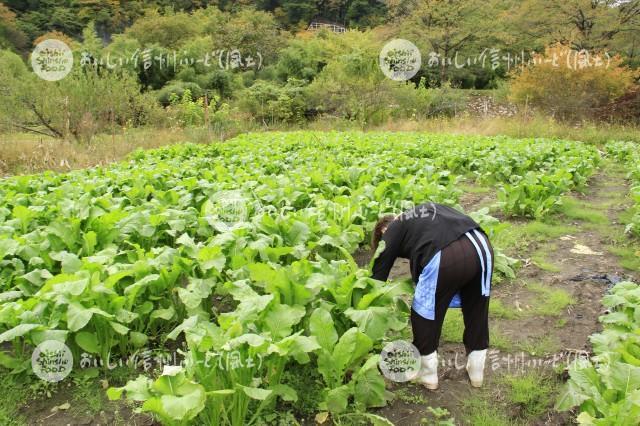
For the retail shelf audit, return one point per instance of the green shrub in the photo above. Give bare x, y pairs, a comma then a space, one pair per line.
424, 102
269, 102
178, 88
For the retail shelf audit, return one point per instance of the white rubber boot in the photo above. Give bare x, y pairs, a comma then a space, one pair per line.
428, 375
475, 367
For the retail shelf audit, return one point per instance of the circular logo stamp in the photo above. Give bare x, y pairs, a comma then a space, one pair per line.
52, 361
400, 59
52, 60
227, 208
232, 210
400, 361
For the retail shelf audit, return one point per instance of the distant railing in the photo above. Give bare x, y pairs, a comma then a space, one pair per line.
314, 26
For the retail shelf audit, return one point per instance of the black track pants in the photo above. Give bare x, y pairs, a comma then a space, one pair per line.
460, 270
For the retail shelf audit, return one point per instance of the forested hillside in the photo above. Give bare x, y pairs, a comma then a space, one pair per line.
229, 62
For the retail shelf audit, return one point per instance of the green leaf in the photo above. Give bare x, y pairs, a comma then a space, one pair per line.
119, 328
165, 314
8, 247
353, 345
133, 290
287, 393
255, 393
196, 290
321, 326
11, 363
253, 340
584, 382
137, 339
77, 316
262, 273
137, 390
337, 399
296, 345
90, 241
187, 324
70, 263
369, 387
211, 258
280, 319
185, 407
39, 336
88, 342
621, 377
18, 331
221, 392
10, 295
374, 321
298, 233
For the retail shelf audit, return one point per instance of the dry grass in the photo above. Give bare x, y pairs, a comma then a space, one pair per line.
26, 153
519, 127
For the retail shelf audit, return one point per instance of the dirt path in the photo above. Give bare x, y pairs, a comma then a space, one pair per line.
541, 318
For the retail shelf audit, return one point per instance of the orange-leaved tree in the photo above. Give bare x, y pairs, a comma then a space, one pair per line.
570, 84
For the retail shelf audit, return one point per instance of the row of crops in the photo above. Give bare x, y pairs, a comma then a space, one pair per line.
243, 249
606, 388
628, 154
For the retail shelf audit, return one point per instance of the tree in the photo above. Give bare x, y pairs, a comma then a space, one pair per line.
251, 32
447, 28
169, 31
555, 85
58, 36
83, 103
585, 24
302, 58
91, 43
351, 85
11, 37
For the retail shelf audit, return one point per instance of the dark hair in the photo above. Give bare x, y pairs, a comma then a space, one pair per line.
382, 223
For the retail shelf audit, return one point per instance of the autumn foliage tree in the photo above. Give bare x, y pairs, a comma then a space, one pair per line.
568, 83
11, 37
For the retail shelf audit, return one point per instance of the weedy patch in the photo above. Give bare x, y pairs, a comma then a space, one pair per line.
533, 392
583, 210
409, 396
540, 346
15, 393
541, 259
497, 309
485, 409
549, 301
439, 417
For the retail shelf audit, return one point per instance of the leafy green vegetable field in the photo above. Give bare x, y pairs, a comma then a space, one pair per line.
242, 251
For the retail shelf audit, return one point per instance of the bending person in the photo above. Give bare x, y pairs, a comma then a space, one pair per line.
451, 261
